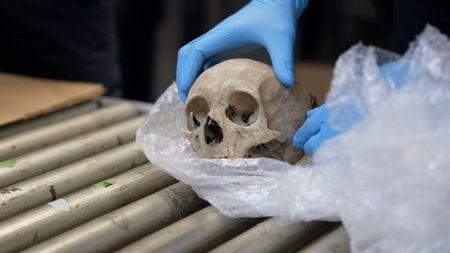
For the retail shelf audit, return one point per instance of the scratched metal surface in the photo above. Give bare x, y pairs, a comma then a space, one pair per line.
75, 181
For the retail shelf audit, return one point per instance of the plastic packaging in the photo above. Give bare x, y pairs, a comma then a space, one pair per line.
387, 178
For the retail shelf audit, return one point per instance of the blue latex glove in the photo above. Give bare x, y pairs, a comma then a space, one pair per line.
316, 129
267, 23
394, 73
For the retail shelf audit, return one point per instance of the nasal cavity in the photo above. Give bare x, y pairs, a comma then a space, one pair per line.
213, 132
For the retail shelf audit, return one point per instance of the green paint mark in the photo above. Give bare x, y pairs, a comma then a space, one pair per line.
8, 163
107, 182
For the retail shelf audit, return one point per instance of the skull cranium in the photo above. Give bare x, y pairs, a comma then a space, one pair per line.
239, 109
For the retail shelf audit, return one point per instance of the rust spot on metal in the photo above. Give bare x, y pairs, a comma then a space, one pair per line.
119, 140
119, 220
35, 236
52, 191
9, 190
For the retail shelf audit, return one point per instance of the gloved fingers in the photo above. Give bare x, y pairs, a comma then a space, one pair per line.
312, 125
281, 55
309, 128
226, 55
227, 37
325, 133
312, 111
313, 143
210, 62
182, 95
213, 60
394, 73
191, 57
189, 64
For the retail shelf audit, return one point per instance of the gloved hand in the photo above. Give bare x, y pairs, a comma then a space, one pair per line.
394, 73
314, 131
267, 23
316, 128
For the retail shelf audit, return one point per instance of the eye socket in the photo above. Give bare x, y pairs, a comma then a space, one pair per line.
242, 108
196, 111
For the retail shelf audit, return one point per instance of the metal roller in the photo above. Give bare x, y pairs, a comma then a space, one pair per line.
16, 145
199, 232
273, 236
58, 193
44, 120
41, 223
44, 188
141, 107
336, 241
63, 153
116, 229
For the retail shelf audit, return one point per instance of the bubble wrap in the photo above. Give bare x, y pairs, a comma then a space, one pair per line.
387, 179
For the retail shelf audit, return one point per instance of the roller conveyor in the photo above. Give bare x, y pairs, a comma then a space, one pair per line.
79, 183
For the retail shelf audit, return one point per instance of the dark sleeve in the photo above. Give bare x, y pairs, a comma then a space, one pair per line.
62, 39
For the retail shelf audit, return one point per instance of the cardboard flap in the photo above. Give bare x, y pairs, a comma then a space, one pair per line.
23, 97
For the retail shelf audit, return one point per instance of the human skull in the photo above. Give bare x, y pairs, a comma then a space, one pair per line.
238, 108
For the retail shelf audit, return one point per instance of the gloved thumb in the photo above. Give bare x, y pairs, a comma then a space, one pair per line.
281, 55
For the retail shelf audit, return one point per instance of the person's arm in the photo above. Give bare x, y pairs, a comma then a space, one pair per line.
267, 23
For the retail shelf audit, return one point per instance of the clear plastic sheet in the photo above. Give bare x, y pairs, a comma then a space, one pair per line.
387, 179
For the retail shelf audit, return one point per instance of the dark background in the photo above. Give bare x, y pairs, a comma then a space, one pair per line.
155, 30
133, 44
